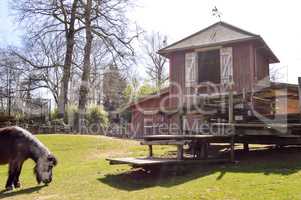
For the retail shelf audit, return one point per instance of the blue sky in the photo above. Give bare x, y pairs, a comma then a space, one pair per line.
8, 31
278, 22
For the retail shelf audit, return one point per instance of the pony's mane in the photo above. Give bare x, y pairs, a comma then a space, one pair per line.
32, 139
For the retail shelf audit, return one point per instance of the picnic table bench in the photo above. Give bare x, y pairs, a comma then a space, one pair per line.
178, 143
198, 143
176, 140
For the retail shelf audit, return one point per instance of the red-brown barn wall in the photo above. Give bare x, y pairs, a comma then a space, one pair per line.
177, 85
138, 116
137, 123
177, 78
242, 66
244, 71
261, 67
250, 65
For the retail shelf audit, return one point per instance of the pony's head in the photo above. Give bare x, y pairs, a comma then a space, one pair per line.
43, 168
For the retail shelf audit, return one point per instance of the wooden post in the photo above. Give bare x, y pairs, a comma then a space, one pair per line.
231, 120
230, 102
180, 152
246, 147
150, 151
244, 96
202, 150
193, 148
232, 149
181, 121
299, 83
206, 144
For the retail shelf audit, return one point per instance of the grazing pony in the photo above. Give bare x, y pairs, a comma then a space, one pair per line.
18, 145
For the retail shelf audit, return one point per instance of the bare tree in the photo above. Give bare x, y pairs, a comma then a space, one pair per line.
42, 64
276, 73
58, 17
100, 60
9, 76
84, 88
156, 64
19, 81
106, 21
99, 63
114, 84
69, 27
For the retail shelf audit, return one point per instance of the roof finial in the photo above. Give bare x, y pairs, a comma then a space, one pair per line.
217, 13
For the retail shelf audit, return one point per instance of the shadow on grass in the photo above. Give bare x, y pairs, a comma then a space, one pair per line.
6, 194
265, 161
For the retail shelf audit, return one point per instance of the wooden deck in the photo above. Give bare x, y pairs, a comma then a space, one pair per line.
201, 144
179, 141
251, 138
150, 162
188, 137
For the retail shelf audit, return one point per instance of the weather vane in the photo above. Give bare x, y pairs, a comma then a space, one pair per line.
217, 13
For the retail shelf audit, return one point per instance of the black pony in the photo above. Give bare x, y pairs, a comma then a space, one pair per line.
18, 145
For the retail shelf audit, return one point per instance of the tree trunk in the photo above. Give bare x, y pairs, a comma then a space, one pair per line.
84, 88
70, 34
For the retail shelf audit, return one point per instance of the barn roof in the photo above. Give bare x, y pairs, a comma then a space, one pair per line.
154, 95
220, 33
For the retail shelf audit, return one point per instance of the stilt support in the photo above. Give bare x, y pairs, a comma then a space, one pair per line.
180, 152
246, 147
232, 149
299, 89
205, 150
150, 151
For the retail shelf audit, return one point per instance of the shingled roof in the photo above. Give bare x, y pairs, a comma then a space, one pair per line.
220, 33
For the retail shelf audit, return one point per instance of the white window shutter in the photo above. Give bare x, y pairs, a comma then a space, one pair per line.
190, 69
226, 58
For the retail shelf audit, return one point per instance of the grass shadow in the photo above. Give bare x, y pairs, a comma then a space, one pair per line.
6, 194
265, 161
140, 179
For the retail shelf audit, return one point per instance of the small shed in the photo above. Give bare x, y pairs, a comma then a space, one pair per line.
147, 112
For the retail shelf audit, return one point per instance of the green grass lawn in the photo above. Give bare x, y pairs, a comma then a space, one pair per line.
83, 174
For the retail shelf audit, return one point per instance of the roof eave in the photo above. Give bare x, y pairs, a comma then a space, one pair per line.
148, 97
165, 52
273, 58
177, 42
162, 51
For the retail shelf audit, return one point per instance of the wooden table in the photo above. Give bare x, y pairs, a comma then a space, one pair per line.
181, 140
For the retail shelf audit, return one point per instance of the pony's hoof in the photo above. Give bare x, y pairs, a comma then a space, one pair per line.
18, 185
9, 188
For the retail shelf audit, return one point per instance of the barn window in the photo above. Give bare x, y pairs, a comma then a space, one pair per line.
215, 66
209, 66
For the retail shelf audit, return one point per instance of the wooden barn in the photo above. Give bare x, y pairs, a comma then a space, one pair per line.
146, 112
220, 93
204, 68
